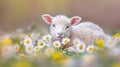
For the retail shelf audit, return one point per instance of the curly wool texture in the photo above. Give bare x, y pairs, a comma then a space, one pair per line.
87, 32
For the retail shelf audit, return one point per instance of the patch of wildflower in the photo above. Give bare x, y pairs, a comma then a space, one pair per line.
41, 47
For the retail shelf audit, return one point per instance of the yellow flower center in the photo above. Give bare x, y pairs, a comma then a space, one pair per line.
111, 42
29, 34
80, 47
28, 42
17, 48
56, 44
95, 49
90, 49
29, 48
47, 38
21, 57
37, 48
41, 43
22, 39
65, 41
76, 42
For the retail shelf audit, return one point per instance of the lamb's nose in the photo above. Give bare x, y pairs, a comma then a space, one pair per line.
60, 34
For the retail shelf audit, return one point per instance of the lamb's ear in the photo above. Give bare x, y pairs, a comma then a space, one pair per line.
47, 18
74, 20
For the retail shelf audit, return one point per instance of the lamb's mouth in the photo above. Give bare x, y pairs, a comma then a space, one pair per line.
60, 37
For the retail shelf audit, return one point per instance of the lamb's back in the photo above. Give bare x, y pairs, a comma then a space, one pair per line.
88, 32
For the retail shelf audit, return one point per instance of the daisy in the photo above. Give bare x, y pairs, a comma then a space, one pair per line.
29, 35
76, 41
17, 47
27, 41
41, 43
91, 48
111, 43
21, 40
57, 44
21, 56
65, 41
37, 48
29, 49
36, 36
47, 38
81, 47
33, 35
49, 51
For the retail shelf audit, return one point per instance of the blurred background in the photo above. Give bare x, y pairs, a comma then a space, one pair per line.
22, 13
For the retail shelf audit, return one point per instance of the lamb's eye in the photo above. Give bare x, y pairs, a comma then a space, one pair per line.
53, 25
67, 26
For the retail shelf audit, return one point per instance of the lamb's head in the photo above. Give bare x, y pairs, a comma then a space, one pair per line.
60, 25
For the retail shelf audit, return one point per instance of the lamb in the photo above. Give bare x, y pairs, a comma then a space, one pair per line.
62, 26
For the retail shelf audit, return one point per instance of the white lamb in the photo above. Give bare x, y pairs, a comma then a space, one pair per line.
62, 26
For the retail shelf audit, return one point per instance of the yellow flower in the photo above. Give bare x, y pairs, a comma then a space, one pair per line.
57, 44
21, 64
100, 43
59, 57
117, 64
6, 41
65, 41
117, 35
56, 55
